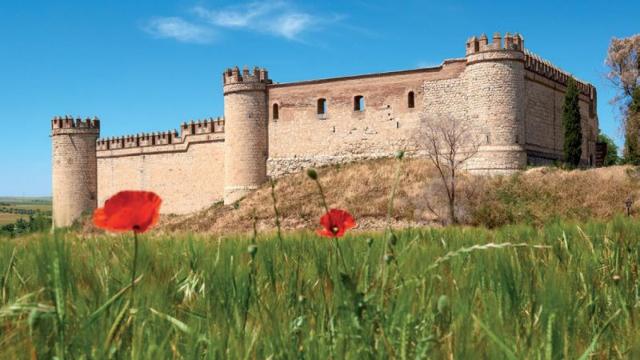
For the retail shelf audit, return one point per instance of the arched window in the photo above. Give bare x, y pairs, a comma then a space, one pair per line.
411, 101
358, 103
322, 106
275, 113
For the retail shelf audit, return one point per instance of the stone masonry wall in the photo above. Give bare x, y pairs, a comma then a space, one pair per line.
543, 121
300, 137
186, 181
186, 171
494, 92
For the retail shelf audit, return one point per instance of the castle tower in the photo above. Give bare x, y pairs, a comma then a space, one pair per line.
495, 77
75, 168
246, 137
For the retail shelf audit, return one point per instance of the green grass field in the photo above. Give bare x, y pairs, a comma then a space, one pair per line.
42, 204
561, 291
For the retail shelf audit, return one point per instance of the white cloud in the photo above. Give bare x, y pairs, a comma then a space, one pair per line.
178, 29
291, 25
234, 17
278, 18
427, 64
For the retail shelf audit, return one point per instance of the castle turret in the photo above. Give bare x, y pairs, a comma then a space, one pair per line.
246, 137
495, 99
74, 168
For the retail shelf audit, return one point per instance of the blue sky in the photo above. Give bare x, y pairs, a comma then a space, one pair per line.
149, 65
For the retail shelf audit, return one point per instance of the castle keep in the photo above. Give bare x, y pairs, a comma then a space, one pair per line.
510, 97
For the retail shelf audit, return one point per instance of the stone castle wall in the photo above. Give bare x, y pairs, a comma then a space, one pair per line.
185, 169
510, 98
300, 137
545, 87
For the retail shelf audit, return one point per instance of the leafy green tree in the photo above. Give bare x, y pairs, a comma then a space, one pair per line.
572, 124
632, 130
37, 222
612, 157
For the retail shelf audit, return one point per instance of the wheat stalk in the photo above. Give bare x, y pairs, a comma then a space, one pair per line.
465, 250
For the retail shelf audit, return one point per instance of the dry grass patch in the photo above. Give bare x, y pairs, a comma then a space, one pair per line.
534, 196
543, 194
362, 188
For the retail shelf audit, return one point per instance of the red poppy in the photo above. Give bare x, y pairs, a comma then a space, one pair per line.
335, 223
135, 211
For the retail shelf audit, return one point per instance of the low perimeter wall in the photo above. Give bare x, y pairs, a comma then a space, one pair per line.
187, 171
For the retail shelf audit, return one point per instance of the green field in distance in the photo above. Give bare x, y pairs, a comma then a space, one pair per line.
14, 208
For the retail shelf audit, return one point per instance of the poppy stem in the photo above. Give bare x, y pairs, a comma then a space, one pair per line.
394, 189
324, 200
133, 267
344, 263
388, 230
326, 208
277, 215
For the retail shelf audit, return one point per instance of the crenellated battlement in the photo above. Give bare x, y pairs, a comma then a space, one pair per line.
68, 122
513, 42
204, 126
547, 70
234, 76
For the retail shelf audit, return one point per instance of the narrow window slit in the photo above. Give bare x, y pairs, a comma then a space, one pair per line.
358, 103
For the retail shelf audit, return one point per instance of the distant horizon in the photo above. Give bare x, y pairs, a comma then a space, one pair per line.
43, 197
150, 65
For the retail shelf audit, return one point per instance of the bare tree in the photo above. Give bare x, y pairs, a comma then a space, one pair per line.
448, 144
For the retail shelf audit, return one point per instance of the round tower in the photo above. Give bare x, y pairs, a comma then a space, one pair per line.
495, 98
74, 168
246, 136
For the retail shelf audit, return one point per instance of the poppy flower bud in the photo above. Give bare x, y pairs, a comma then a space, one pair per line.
443, 304
399, 154
393, 239
369, 242
312, 173
252, 249
388, 258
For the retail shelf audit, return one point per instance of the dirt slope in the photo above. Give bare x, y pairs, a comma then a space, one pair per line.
535, 196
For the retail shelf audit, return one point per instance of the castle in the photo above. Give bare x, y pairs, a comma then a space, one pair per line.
512, 98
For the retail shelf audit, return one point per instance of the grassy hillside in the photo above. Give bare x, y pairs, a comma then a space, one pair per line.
535, 197
564, 290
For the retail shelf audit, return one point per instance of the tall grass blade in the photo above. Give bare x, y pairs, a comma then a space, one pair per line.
505, 349
592, 347
96, 314
116, 325
175, 322
5, 278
